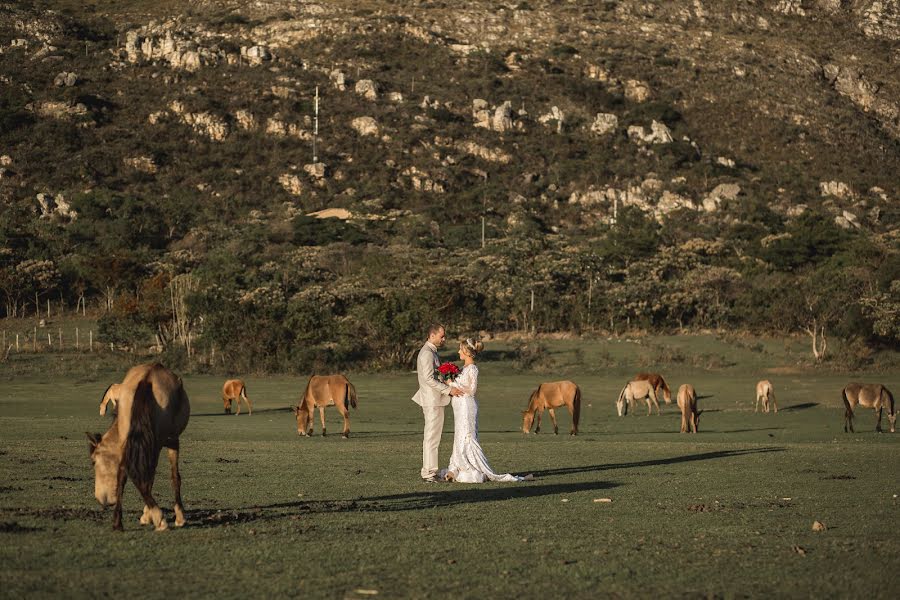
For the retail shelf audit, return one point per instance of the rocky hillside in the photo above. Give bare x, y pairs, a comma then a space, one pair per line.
173, 140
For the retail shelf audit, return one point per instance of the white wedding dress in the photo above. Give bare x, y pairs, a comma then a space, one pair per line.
468, 463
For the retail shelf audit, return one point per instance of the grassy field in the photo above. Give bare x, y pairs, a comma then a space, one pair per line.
725, 513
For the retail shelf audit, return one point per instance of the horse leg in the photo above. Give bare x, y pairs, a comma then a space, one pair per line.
322, 418
878, 421
774, 402
553, 418
683, 423
848, 420
538, 412
121, 477
176, 484
342, 408
649, 406
238, 402
145, 487
655, 403
227, 404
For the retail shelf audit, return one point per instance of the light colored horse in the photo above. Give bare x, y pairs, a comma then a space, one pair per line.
322, 391
634, 391
658, 383
687, 402
764, 393
549, 396
153, 411
111, 395
234, 390
870, 395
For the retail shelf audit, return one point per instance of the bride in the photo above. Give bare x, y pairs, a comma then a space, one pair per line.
468, 463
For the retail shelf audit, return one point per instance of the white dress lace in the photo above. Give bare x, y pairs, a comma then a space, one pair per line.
468, 463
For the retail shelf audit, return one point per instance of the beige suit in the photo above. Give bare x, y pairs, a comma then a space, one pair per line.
433, 396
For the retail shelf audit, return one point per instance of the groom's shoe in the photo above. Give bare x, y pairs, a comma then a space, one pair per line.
431, 479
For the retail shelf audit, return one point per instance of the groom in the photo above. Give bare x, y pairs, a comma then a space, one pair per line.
433, 396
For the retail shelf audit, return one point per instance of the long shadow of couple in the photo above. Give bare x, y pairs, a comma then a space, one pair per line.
444, 495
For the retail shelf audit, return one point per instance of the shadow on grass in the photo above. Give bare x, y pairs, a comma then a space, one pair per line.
436, 495
803, 406
744, 430
656, 462
286, 409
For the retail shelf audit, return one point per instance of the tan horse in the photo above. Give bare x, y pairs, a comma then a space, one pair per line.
153, 410
870, 395
687, 402
322, 391
111, 394
550, 396
658, 383
764, 393
633, 392
234, 390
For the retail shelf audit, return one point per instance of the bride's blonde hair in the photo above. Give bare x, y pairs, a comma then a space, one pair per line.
472, 347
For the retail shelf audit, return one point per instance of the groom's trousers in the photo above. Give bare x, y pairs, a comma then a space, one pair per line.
434, 424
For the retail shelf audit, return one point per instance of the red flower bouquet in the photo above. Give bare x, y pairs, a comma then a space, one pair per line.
447, 371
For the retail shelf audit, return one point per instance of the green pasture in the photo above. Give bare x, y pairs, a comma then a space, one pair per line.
725, 513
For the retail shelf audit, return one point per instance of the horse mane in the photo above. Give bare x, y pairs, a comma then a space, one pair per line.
141, 451
531, 401
664, 385
621, 398
302, 405
106, 391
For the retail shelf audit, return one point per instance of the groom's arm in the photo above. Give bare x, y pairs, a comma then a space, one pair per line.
425, 367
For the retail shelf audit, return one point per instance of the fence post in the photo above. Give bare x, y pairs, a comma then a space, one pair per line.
17, 343
34, 340
92, 340
49, 341
60, 338
77, 344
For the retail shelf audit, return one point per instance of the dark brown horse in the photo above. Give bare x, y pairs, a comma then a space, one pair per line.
870, 395
322, 391
550, 396
658, 383
153, 411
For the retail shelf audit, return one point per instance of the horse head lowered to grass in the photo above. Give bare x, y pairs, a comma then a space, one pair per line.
869, 395
322, 391
550, 396
153, 411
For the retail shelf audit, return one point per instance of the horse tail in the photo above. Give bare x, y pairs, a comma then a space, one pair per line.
846, 400
351, 394
141, 453
576, 409
243, 391
104, 401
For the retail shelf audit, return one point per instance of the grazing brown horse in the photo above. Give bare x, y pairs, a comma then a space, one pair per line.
764, 393
549, 396
110, 395
634, 391
153, 410
870, 395
687, 402
322, 391
233, 391
658, 383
